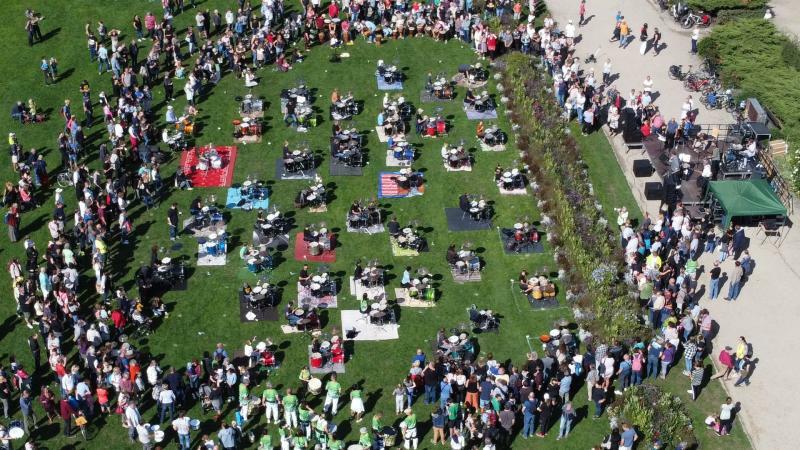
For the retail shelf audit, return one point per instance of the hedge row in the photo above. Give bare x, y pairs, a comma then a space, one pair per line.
761, 62
715, 6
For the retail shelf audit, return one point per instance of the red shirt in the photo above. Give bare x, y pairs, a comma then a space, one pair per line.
333, 10
118, 318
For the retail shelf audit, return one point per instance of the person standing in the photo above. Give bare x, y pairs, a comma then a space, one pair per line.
529, 409
582, 13
166, 398
172, 221
713, 284
26, 407
567, 416
695, 37
132, 419
182, 427
628, 437
698, 373
735, 282
726, 416
656, 42
667, 356
333, 389
599, 398
66, 412
36, 351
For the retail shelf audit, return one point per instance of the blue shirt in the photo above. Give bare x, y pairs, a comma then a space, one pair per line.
627, 437
406, 277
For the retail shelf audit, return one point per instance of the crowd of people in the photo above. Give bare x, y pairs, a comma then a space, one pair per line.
475, 402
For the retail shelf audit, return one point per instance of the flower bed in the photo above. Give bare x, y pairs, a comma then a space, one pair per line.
584, 247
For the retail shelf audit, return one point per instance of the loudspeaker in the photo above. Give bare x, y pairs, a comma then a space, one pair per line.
672, 193
654, 191
642, 168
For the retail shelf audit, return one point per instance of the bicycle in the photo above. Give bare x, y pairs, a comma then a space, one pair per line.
696, 83
676, 72
691, 20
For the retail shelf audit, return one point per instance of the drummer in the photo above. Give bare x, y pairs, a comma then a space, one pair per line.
304, 277
394, 227
464, 202
452, 255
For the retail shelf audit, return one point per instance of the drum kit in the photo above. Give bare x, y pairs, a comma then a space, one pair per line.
322, 285
208, 216
346, 146
313, 196
365, 216
457, 158
483, 103
209, 159
436, 126
251, 106
299, 96
409, 179
252, 190
403, 151
298, 162
389, 73
455, 345
216, 244
272, 225
441, 88
169, 272
511, 180
477, 74
421, 289
522, 236
262, 295
409, 239
247, 127
479, 210
494, 136
344, 109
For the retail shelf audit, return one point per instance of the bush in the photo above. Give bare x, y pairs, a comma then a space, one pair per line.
762, 62
728, 15
715, 6
655, 414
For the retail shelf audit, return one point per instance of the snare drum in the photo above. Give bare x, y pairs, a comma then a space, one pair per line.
216, 162
16, 432
252, 266
202, 165
316, 362
314, 249
315, 386
211, 247
158, 436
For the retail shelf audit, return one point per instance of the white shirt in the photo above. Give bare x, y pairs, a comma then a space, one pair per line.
166, 397
181, 425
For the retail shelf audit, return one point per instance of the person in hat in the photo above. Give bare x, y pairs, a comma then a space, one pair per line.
364, 438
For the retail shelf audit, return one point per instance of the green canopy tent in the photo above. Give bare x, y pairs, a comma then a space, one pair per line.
751, 198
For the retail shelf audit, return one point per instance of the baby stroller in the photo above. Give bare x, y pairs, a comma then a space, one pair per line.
144, 326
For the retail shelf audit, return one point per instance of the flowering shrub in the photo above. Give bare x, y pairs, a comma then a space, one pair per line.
587, 249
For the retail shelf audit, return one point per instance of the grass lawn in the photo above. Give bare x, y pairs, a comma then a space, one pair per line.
208, 312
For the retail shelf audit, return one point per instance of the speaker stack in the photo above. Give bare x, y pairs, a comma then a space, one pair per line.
642, 168
654, 191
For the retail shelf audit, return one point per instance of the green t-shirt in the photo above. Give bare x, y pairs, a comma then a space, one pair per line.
242, 392
290, 402
333, 388
336, 445
270, 395
265, 443
496, 404
300, 441
411, 421
355, 394
365, 440
304, 415
452, 411
376, 424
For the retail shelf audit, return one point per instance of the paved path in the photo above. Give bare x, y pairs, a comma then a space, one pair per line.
768, 307
787, 16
